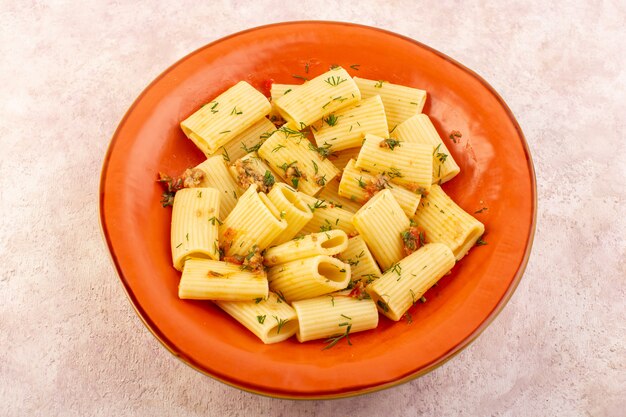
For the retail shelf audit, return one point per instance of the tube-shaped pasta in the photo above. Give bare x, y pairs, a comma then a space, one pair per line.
340, 159
253, 222
334, 315
292, 208
216, 176
380, 221
360, 186
228, 115
250, 169
309, 277
404, 284
326, 217
419, 129
317, 98
345, 128
194, 225
204, 279
407, 164
401, 102
326, 243
277, 91
362, 263
296, 161
330, 194
247, 141
443, 221
271, 319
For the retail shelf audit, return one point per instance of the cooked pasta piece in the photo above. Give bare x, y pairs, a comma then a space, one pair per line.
252, 225
330, 194
194, 225
326, 243
309, 277
295, 160
327, 217
228, 115
340, 159
360, 186
277, 91
380, 221
443, 221
400, 102
333, 316
405, 283
419, 129
360, 259
323, 95
271, 319
216, 176
204, 279
247, 141
407, 164
345, 128
250, 169
292, 208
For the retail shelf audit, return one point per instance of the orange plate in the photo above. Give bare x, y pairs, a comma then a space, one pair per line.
496, 172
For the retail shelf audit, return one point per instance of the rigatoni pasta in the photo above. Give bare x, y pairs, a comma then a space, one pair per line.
345, 128
400, 102
380, 222
297, 162
205, 279
405, 163
268, 229
228, 115
317, 98
194, 225
405, 283
271, 319
445, 222
325, 243
334, 316
419, 129
309, 277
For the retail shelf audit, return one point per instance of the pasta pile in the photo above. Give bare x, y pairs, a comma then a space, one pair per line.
316, 227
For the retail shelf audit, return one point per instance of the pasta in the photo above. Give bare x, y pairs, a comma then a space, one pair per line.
419, 129
380, 221
400, 102
296, 161
194, 225
204, 279
326, 216
253, 224
271, 319
445, 222
317, 227
345, 128
292, 208
309, 277
228, 115
216, 175
405, 163
361, 261
323, 95
360, 186
334, 315
405, 283
247, 141
326, 243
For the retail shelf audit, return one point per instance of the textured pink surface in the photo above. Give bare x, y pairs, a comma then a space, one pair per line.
70, 341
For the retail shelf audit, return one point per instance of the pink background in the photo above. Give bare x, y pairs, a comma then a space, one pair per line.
70, 342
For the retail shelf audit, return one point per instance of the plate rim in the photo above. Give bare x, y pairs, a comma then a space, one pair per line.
446, 356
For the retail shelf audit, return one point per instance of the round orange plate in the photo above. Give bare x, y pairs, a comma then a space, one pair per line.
496, 173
